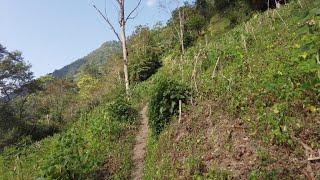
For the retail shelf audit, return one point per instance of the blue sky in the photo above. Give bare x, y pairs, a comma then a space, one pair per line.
54, 33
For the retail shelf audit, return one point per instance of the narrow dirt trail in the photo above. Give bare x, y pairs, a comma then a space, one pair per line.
139, 151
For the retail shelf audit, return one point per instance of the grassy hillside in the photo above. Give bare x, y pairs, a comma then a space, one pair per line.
254, 113
96, 58
248, 86
80, 152
96, 143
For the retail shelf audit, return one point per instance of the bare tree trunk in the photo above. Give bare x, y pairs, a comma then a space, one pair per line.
122, 38
178, 28
124, 47
125, 58
181, 23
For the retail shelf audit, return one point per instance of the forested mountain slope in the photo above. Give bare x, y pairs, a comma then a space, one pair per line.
96, 58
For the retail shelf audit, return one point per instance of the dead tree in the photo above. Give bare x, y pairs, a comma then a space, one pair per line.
180, 29
123, 18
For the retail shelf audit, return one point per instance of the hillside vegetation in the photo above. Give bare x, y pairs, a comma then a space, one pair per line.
97, 144
255, 109
95, 59
241, 102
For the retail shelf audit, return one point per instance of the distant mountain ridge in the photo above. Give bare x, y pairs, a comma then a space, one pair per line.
96, 57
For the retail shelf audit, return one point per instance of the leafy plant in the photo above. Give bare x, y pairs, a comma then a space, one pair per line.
68, 158
120, 109
196, 166
143, 68
164, 102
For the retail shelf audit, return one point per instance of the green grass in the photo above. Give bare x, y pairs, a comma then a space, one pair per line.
266, 81
267, 77
276, 78
94, 141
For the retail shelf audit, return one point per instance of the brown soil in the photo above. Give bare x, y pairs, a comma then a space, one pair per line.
139, 151
220, 142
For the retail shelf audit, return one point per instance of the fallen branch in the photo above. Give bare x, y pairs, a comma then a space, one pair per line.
314, 158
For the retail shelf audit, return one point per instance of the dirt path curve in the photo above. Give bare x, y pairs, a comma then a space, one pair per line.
139, 151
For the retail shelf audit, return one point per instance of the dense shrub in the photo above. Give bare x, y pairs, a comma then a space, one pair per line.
143, 68
120, 109
6, 115
40, 130
79, 152
68, 158
164, 102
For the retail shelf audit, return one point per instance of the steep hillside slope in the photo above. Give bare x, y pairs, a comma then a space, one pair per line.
97, 144
96, 58
255, 108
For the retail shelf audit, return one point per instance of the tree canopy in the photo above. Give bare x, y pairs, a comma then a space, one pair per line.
14, 72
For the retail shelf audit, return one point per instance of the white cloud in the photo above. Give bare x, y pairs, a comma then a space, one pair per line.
151, 3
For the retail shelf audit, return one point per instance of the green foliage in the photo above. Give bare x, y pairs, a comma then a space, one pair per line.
273, 83
164, 102
78, 153
204, 7
120, 109
144, 68
92, 70
192, 20
14, 74
37, 130
195, 23
68, 158
96, 58
87, 84
145, 59
221, 5
195, 166
16, 110
6, 113
266, 78
270, 174
141, 92
219, 174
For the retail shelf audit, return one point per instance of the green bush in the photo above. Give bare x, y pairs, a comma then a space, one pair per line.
144, 68
165, 102
39, 130
120, 109
68, 158
78, 153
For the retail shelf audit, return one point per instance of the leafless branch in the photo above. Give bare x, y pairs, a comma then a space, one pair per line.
107, 21
167, 10
134, 9
165, 7
105, 8
119, 2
